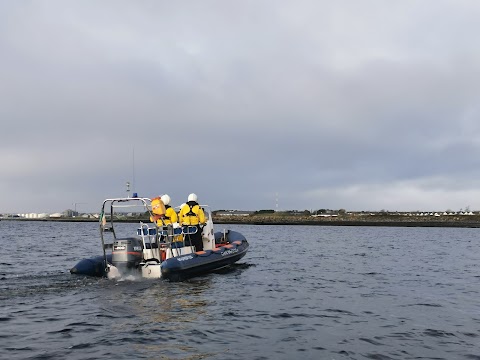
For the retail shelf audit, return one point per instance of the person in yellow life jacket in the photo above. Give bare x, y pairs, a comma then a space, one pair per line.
170, 214
158, 211
192, 214
171, 218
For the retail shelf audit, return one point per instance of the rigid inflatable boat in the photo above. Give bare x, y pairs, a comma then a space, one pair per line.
153, 251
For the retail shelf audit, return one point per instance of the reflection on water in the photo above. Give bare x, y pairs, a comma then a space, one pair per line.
171, 303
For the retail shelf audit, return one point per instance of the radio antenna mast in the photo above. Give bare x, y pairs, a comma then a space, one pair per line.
128, 189
133, 169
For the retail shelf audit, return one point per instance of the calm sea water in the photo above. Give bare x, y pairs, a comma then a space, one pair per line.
302, 292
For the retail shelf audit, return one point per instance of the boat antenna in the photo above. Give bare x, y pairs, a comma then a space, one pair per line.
133, 169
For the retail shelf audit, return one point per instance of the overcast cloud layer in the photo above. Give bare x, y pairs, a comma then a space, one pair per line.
362, 105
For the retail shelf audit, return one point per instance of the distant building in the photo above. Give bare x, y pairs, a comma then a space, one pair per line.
70, 213
233, 213
56, 215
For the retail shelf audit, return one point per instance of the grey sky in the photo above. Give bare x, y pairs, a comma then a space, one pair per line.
362, 105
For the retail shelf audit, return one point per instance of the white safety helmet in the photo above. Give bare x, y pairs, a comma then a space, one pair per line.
166, 199
192, 197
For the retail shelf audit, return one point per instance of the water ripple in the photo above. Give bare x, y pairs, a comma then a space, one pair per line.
344, 293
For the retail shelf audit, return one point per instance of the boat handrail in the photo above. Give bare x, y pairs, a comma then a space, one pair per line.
114, 203
150, 231
189, 229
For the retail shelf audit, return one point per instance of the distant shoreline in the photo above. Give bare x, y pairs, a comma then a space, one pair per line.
467, 221
472, 221
363, 223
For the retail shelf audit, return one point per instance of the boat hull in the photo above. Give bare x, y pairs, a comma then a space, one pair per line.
91, 267
200, 262
230, 247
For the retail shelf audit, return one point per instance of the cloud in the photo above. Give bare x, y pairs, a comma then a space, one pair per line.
359, 105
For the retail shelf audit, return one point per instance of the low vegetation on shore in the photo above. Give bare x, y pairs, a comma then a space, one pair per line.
353, 219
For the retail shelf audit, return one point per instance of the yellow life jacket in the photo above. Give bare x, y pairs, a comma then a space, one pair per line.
158, 211
191, 214
170, 215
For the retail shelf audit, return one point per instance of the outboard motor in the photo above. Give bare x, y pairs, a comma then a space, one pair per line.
127, 253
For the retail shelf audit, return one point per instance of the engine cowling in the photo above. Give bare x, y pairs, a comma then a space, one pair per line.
127, 253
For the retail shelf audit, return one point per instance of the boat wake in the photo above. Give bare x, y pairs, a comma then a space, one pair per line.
26, 286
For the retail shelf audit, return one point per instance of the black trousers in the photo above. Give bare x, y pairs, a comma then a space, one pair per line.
195, 239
